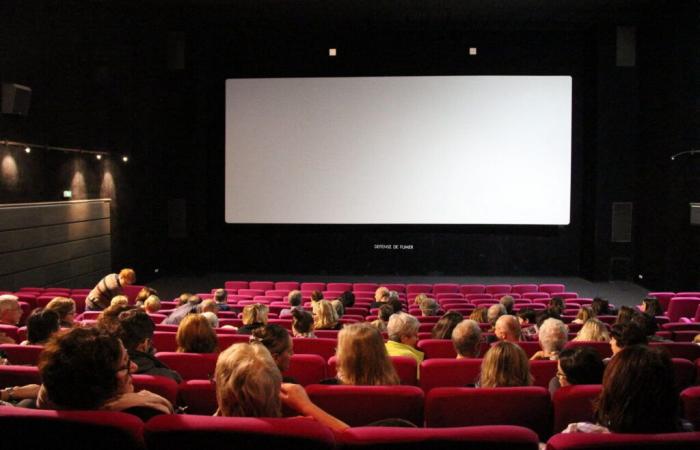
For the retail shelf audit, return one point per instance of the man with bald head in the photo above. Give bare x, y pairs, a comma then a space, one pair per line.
507, 328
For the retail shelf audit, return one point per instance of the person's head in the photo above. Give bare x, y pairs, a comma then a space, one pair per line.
363, 358
696, 339
443, 328
325, 316
294, 298
545, 314
65, 308
302, 322
255, 314
109, 318
584, 313
10, 311
600, 306
248, 382
119, 300
429, 307
479, 315
507, 301
220, 296
552, 334
144, 293
194, 300
212, 318
395, 304
316, 296
209, 305
505, 365
507, 328
348, 299
556, 304
84, 368
127, 276
593, 330
580, 365
393, 295
526, 316
195, 335
136, 330
420, 298
152, 304
639, 393
466, 339
494, 312
384, 312
183, 298
339, 308
625, 314
626, 334
381, 294
277, 340
403, 328
652, 306
41, 324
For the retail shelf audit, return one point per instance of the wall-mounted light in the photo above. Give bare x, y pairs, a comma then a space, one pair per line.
125, 158
98, 156
473, 51
332, 52
27, 149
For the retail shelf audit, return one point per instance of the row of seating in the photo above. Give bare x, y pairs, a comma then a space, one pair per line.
409, 288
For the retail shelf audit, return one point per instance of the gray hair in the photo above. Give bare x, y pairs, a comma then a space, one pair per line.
211, 318
553, 334
466, 338
393, 295
400, 325
494, 312
8, 302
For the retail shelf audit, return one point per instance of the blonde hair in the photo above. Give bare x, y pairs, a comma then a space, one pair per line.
152, 304
381, 294
62, 306
362, 357
400, 325
339, 307
505, 365
119, 300
593, 330
128, 275
429, 307
479, 315
195, 335
325, 316
255, 313
585, 313
420, 298
248, 382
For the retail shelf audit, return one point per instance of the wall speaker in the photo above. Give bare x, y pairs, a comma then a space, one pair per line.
626, 50
695, 213
15, 99
622, 213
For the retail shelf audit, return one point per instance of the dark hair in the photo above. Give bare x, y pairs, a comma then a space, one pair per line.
628, 333
443, 327
545, 314
396, 304
274, 337
41, 324
347, 298
316, 296
220, 295
527, 314
108, 319
600, 306
556, 303
144, 293
294, 298
582, 365
653, 306
625, 314
78, 368
302, 321
639, 393
135, 326
385, 311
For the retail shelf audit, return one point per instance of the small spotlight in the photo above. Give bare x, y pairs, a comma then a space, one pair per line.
332, 52
472, 51
673, 158
640, 276
125, 158
27, 150
98, 156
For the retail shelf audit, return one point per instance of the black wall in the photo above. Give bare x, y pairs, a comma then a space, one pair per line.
109, 76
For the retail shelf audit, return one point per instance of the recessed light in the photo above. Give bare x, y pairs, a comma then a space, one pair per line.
472, 51
27, 150
332, 52
98, 156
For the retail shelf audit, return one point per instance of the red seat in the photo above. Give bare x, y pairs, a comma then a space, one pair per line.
262, 285
362, 405
529, 407
227, 340
445, 288
690, 400
437, 348
364, 287
603, 348
398, 287
308, 369
523, 288
663, 297
551, 288
250, 292
315, 346
70, 430
686, 350
163, 386
498, 288
467, 289
542, 372
286, 285
684, 372
10, 331
493, 437
535, 295
19, 375
191, 366
530, 347
405, 367
340, 287
574, 404
235, 285
22, 355
418, 288
449, 372
619, 441
199, 396
184, 432
682, 307
164, 341
313, 286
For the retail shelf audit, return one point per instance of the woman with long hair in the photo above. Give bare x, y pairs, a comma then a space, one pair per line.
362, 358
505, 365
195, 335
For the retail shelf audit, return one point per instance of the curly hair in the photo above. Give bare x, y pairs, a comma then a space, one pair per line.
78, 368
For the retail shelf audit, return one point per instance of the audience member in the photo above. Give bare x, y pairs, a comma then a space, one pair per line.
190, 306
362, 358
295, 302
119, 300
211, 318
107, 288
152, 304
601, 307
108, 319
507, 328
195, 335
443, 328
429, 307
626, 334
316, 296
302, 324
41, 325
652, 306
325, 316
505, 365
556, 305
508, 302
221, 299
580, 365
493, 313
136, 330
584, 313
466, 339
403, 336
183, 298
552, 334
10, 311
209, 305
385, 311
479, 315
339, 308
528, 324
143, 294
381, 296
348, 299
278, 342
249, 384
65, 308
593, 330
625, 314
395, 304
254, 316
419, 299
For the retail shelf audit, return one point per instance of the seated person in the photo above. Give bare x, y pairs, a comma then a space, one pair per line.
65, 308
507, 328
626, 334
41, 325
10, 314
107, 288
508, 302
493, 313
652, 306
254, 316
584, 313
348, 299
429, 307
109, 317
381, 295
136, 332
143, 294
325, 316
479, 315
295, 302
505, 365
339, 308
221, 298
152, 304
553, 334
279, 343
362, 358
195, 335
593, 330
579, 365
403, 336
466, 339
190, 306
302, 324
528, 324
89, 369
443, 327
211, 317
249, 384
601, 307
383, 315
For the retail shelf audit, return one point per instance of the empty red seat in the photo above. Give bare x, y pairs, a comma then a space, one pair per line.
235, 285
449, 372
445, 288
574, 404
437, 348
22, 355
313, 286
620, 441
682, 307
542, 372
306, 369
686, 350
529, 407
535, 295
466, 289
493, 437
315, 346
163, 386
251, 292
190, 366
523, 288
418, 288
286, 285
362, 405
364, 287
165, 341
199, 396
498, 288
262, 285
339, 287
551, 288
184, 432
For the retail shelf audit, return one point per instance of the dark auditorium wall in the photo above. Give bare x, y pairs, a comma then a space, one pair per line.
148, 80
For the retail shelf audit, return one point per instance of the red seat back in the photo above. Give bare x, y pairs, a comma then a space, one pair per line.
686, 350
574, 404
690, 399
199, 396
307, 369
448, 372
542, 372
22, 355
592, 441
163, 386
19, 375
324, 347
191, 366
437, 348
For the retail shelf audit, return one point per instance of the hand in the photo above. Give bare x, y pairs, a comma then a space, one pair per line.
294, 396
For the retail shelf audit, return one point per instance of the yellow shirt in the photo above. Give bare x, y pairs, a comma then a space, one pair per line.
398, 349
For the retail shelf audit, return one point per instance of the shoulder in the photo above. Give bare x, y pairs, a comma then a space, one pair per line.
585, 427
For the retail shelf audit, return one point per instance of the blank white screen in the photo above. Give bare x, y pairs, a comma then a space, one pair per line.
399, 150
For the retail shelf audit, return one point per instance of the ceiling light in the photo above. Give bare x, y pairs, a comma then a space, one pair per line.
98, 156
27, 150
332, 52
